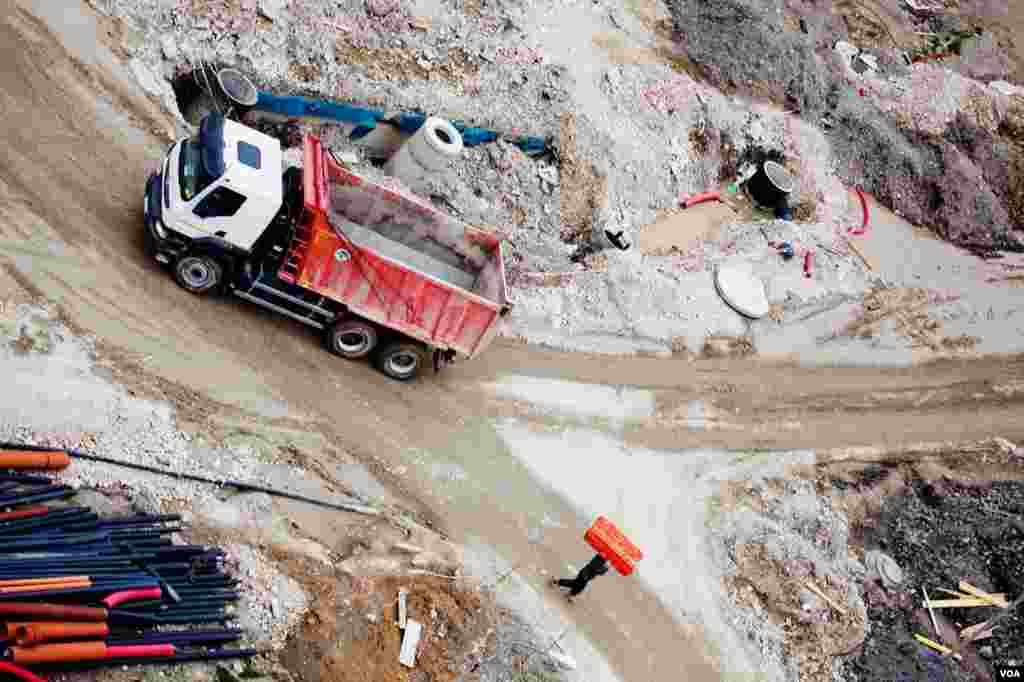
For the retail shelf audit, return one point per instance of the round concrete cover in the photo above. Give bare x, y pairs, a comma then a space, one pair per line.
742, 291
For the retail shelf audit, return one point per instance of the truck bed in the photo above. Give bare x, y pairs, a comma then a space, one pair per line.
402, 244
394, 259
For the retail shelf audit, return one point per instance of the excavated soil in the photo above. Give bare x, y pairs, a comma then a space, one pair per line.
942, 523
352, 632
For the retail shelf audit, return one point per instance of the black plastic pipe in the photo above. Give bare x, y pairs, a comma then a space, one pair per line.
142, 518
39, 497
35, 491
237, 485
197, 637
28, 478
54, 539
52, 519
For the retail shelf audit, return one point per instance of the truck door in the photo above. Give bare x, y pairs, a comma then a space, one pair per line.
214, 212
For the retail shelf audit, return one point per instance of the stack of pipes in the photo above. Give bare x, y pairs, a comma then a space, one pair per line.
79, 591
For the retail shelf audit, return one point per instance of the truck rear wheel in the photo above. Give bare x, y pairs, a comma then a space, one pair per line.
352, 339
198, 274
402, 361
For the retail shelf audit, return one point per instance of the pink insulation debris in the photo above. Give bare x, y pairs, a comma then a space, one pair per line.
671, 95
522, 56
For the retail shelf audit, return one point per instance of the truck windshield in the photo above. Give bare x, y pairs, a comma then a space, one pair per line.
193, 176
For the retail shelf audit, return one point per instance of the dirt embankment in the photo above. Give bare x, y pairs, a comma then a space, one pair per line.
915, 138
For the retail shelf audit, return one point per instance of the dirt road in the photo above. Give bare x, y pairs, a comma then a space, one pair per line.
78, 145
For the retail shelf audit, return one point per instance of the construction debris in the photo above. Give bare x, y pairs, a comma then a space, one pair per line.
931, 612
955, 603
828, 600
402, 596
993, 599
944, 650
410, 641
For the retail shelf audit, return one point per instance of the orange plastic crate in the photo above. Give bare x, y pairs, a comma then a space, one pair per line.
610, 543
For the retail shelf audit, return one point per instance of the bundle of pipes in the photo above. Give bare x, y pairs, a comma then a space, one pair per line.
80, 591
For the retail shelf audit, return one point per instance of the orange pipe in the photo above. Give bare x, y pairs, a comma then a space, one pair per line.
68, 585
27, 512
11, 629
31, 634
16, 459
15, 582
57, 653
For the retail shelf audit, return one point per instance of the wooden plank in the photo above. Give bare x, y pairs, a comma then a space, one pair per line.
824, 596
991, 622
976, 632
402, 594
410, 640
928, 605
993, 599
961, 595
945, 650
957, 603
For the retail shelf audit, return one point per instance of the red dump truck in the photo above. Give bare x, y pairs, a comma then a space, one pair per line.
383, 273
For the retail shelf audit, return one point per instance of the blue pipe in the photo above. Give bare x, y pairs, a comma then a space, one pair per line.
366, 120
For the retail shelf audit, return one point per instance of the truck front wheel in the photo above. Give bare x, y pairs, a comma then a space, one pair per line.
198, 274
401, 361
352, 339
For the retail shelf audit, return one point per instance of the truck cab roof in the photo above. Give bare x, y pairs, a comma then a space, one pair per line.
248, 160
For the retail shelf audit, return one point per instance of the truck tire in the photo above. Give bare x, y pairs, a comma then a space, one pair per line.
352, 339
198, 273
402, 361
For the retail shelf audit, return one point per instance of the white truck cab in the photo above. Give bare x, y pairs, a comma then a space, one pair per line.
224, 183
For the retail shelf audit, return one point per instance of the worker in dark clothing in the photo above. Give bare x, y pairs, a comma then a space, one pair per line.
597, 566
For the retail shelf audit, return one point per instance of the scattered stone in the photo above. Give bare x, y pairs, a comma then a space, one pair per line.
169, 48
408, 548
885, 567
272, 9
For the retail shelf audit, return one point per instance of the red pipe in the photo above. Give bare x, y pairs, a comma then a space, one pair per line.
27, 512
856, 232
30, 634
119, 598
141, 650
86, 651
19, 672
33, 610
688, 202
